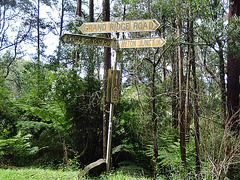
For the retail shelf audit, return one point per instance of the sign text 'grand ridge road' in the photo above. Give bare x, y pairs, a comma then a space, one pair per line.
120, 26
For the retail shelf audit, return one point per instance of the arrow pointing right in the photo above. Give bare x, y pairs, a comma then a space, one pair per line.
141, 43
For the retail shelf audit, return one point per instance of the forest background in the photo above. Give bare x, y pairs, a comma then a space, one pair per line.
178, 113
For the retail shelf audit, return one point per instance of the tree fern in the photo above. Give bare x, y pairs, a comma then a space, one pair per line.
17, 148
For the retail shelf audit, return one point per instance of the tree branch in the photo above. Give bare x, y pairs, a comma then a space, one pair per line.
207, 68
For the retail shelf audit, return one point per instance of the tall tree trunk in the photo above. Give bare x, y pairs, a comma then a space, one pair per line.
91, 11
188, 73
91, 64
181, 95
107, 66
195, 97
187, 101
233, 84
196, 114
60, 34
222, 82
163, 48
38, 49
175, 104
233, 66
154, 122
78, 11
38, 32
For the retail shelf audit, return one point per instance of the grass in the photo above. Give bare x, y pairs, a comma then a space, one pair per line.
27, 174
47, 174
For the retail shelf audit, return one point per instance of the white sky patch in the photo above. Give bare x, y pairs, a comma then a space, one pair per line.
51, 41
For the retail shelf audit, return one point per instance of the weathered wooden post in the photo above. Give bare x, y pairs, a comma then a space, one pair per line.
112, 97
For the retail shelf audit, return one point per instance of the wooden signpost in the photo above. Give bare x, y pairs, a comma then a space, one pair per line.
114, 75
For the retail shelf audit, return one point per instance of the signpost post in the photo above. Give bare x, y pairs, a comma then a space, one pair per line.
114, 78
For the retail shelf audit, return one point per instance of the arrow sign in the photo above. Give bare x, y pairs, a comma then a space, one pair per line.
88, 40
120, 26
141, 43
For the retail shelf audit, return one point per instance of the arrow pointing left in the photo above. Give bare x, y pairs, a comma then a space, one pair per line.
88, 40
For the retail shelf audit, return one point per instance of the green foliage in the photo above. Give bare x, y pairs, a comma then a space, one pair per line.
5, 130
15, 150
7, 114
60, 100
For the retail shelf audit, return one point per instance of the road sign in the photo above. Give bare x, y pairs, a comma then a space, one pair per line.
120, 26
141, 43
88, 40
115, 86
114, 78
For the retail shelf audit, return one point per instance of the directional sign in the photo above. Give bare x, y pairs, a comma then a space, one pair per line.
88, 40
114, 78
120, 26
116, 75
141, 43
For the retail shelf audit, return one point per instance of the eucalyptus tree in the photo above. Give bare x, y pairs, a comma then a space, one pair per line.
61, 23
233, 66
143, 68
13, 32
233, 83
215, 39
